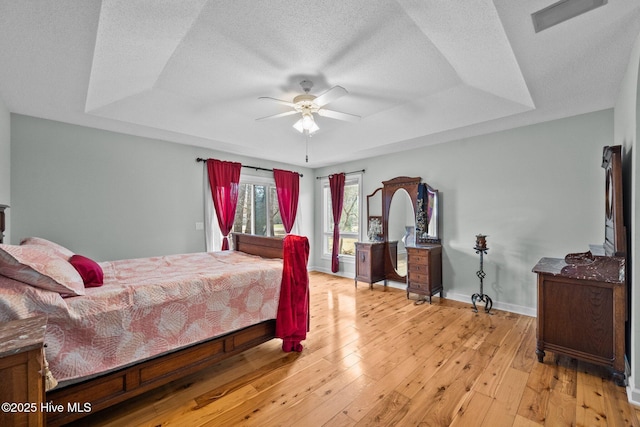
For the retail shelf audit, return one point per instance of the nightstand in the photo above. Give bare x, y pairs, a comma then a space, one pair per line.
370, 261
21, 372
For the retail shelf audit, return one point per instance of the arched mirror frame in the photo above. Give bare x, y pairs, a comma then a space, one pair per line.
388, 190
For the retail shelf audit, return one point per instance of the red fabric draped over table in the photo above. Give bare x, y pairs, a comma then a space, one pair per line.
292, 320
336, 185
288, 189
224, 178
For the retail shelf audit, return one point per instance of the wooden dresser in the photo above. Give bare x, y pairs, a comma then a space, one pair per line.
370, 261
582, 299
424, 270
22, 389
582, 310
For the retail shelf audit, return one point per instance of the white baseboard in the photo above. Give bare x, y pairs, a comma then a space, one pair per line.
347, 274
633, 394
512, 308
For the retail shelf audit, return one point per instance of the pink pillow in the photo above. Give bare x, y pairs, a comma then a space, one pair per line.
60, 250
89, 270
40, 268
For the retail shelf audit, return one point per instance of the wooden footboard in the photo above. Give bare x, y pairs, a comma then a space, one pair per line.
106, 390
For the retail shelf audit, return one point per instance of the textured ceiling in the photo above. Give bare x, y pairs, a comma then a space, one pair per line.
417, 72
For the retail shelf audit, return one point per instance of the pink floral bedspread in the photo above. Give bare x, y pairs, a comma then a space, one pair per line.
147, 307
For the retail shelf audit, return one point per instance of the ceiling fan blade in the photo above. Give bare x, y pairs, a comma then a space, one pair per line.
287, 103
338, 115
275, 116
330, 95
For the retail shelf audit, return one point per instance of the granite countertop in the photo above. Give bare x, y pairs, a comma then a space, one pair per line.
584, 266
22, 335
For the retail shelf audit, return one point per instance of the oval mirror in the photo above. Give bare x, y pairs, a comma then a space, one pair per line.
402, 222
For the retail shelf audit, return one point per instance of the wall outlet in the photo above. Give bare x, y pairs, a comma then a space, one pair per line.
199, 225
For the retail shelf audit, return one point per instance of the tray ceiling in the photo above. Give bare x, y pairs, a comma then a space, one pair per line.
417, 72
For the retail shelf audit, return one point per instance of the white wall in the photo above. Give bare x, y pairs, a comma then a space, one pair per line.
627, 134
111, 196
536, 191
5, 164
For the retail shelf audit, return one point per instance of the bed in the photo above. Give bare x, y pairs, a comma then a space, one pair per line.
137, 332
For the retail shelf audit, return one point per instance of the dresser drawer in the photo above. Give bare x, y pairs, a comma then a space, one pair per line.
418, 268
417, 286
418, 277
422, 259
417, 255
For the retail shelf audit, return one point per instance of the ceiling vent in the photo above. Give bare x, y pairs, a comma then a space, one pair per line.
562, 11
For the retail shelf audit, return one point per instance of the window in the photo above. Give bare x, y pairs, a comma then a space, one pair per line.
257, 211
349, 221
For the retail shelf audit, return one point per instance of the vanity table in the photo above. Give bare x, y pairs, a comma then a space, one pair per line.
408, 249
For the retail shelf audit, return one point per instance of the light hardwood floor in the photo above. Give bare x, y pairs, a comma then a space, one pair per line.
374, 358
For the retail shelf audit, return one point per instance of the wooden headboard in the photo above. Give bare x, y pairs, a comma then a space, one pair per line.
266, 247
615, 243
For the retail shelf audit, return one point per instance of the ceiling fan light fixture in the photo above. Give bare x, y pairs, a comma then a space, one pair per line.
307, 121
306, 124
307, 105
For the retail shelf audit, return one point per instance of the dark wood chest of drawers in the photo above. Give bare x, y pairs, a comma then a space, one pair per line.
370, 261
424, 270
582, 311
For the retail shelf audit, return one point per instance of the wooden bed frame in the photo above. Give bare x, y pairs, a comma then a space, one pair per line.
114, 387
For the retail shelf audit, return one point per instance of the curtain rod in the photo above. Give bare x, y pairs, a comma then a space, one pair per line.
346, 173
200, 159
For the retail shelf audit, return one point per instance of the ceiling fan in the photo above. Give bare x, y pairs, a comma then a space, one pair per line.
307, 105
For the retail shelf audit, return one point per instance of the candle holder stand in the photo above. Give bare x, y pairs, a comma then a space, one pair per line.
482, 297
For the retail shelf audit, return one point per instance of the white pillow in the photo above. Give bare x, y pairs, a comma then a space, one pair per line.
40, 267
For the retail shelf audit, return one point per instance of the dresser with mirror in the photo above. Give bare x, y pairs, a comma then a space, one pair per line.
404, 242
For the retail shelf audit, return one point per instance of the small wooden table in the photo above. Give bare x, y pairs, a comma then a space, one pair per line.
370, 262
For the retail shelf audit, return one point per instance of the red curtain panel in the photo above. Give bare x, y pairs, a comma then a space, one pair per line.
224, 178
336, 185
288, 189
